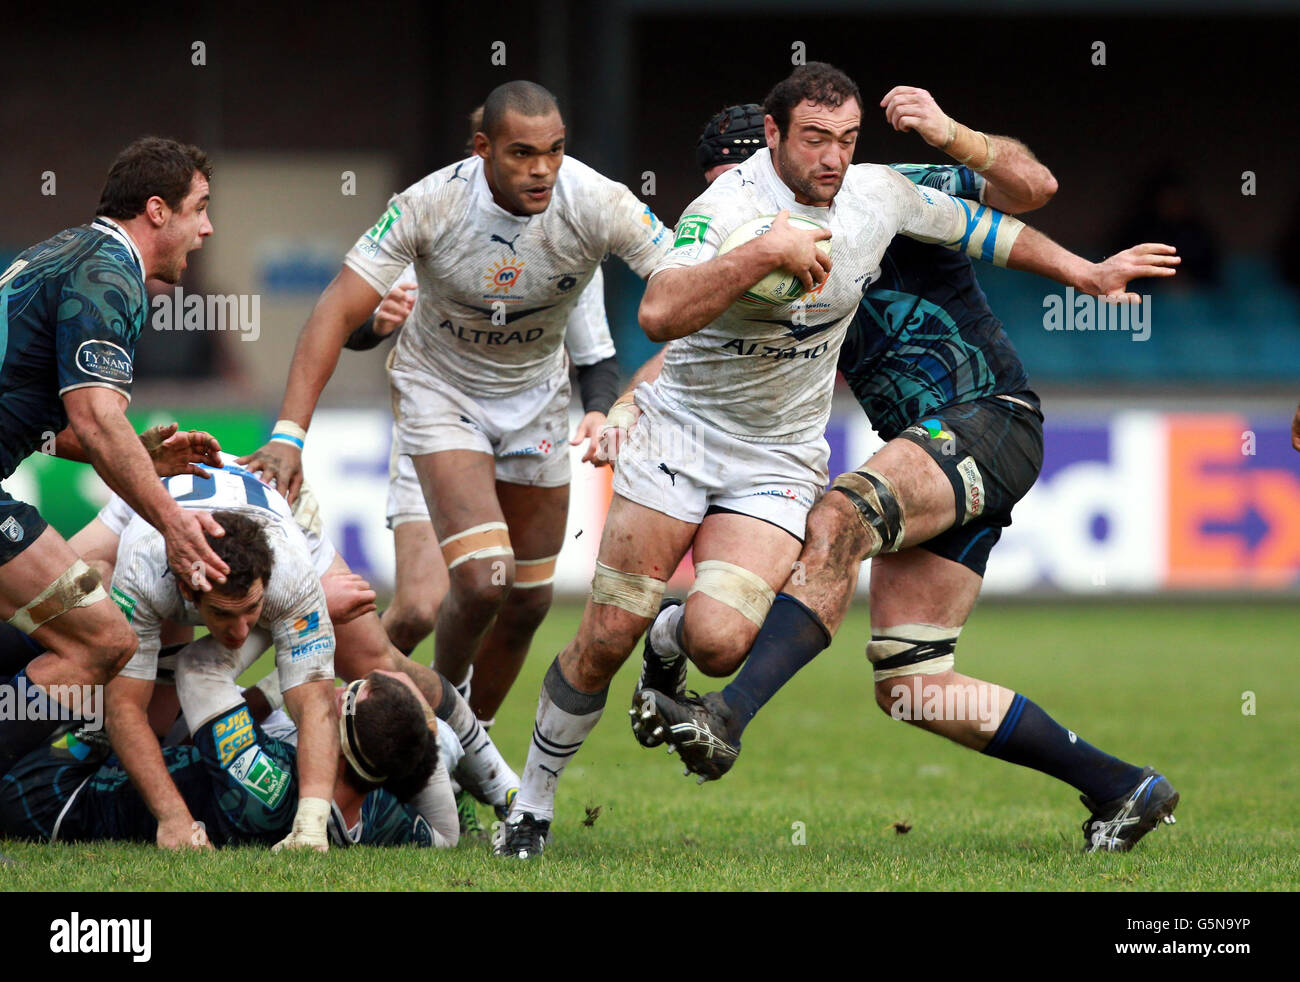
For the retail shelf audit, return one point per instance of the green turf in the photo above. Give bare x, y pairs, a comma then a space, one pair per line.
1158, 684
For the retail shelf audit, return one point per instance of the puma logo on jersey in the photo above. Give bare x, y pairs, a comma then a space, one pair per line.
672, 475
455, 175
508, 243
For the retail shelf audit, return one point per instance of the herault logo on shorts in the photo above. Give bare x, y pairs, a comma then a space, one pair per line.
973, 481
105, 360
12, 529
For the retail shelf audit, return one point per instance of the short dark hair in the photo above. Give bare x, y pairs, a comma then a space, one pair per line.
244, 549
152, 165
393, 737
525, 98
475, 126
820, 83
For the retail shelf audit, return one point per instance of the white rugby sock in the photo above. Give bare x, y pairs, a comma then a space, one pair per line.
666, 634
482, 771
564, 718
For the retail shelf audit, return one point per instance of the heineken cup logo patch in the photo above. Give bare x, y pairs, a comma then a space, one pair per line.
691, 230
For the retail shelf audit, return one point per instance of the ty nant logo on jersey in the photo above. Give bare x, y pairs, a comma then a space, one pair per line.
105, 360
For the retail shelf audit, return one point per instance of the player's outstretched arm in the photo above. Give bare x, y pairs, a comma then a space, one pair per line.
312, 707
127, 719
1017, 181
1034, 252
111, 445
344, 305
682, 300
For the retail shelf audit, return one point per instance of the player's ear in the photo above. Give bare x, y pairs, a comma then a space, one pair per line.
482, 146
771, 132
157, 211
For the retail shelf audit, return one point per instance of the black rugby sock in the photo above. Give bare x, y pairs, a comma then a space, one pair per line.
1031, 738
791, 637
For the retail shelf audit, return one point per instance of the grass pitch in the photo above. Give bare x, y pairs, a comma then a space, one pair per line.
826, 782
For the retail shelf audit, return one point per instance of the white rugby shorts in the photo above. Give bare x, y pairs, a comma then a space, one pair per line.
680, 466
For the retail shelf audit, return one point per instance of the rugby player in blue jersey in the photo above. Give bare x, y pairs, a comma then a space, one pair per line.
392, 786
71, 311
942, 385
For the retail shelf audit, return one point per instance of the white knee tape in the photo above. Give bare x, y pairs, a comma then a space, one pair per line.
912, 649
634, 592
77, 586
736, 587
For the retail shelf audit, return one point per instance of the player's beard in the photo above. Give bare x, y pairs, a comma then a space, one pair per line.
802, 184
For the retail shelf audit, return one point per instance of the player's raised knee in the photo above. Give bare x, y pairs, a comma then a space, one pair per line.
717, 649
408, 622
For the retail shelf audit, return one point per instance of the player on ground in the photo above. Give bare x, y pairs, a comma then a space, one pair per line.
71, 311
238, 776
503, 244
941, 382
272, 589
361, 646
729, 454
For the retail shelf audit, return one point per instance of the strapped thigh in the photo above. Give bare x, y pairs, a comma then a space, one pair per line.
76, 586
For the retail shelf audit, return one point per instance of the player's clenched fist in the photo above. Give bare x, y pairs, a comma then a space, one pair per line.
182, 833
309, 827
909, 108
394, 309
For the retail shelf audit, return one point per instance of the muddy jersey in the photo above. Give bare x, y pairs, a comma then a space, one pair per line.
763, 373
496, 289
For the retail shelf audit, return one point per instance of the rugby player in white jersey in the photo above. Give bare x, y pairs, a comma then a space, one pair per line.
729, 453
272, 592
361, 644
421, 574
503, 244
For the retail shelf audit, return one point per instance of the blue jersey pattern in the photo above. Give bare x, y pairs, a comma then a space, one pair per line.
71, 311
923, 336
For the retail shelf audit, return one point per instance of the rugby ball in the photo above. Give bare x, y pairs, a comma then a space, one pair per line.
779, 286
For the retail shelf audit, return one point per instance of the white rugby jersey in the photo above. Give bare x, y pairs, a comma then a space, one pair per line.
586, 333
472, 259
756, 372
231, 487
293, 612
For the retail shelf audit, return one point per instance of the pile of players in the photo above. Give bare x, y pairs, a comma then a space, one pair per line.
718, 448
